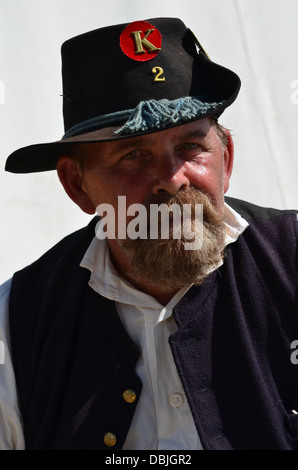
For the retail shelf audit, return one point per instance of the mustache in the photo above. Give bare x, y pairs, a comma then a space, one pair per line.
184, 196
184, 215
189, 197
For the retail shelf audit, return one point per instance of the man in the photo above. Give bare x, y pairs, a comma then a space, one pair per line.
121, 339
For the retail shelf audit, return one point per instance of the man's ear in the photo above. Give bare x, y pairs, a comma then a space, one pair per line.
228, 160
71, 179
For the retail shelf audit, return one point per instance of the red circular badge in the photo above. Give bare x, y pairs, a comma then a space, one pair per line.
140, 41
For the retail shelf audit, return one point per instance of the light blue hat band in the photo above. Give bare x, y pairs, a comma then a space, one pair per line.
148, 116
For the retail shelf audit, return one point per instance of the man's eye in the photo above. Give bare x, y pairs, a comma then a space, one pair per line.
130, 156
189, 145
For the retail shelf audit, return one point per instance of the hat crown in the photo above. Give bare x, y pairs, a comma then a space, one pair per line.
99, 78
131, 79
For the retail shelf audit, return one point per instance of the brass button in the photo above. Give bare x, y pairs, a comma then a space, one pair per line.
110, 439
129, 396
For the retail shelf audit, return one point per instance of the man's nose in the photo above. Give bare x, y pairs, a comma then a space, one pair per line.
170, 176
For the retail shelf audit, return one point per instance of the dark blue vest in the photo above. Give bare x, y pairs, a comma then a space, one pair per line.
73, 359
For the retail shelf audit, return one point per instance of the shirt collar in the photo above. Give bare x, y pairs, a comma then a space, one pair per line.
235, 224
106, 280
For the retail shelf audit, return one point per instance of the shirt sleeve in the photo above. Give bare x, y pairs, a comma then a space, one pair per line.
11, 429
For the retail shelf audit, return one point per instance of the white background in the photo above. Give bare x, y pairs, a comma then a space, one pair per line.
258, 39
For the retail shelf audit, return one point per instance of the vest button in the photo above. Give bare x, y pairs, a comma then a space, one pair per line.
110, 439
129, 396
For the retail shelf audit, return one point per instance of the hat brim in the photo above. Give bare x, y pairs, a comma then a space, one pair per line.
44, 156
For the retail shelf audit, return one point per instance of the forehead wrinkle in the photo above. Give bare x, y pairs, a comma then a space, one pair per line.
149, 139
125, 144
194, 134
109, 148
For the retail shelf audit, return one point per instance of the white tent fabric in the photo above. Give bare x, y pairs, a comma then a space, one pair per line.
258, 39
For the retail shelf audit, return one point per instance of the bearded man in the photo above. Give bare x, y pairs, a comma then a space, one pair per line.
143, 342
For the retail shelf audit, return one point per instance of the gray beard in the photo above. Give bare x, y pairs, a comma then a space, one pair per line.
166, 263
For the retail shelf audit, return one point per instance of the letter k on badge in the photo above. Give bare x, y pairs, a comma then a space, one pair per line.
140, 41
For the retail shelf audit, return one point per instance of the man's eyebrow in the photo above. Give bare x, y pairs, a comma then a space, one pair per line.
122, 145
193, 134
135, 142
125, 144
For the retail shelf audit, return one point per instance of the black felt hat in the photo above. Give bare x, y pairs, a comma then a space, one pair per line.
130, 79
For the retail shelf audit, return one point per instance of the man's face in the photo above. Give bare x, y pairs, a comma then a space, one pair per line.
185, 166
164, 162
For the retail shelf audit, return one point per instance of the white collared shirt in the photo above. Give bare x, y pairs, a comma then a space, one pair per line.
162, 419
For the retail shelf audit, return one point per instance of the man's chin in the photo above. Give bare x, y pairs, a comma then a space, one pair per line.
173, 262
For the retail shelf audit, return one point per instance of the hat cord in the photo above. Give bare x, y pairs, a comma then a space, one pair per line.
153, 114
149, 115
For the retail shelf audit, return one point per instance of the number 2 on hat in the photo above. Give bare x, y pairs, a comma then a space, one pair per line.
158, 77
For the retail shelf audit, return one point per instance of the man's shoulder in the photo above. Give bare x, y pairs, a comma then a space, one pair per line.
252, 211
271, 233
69, 250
